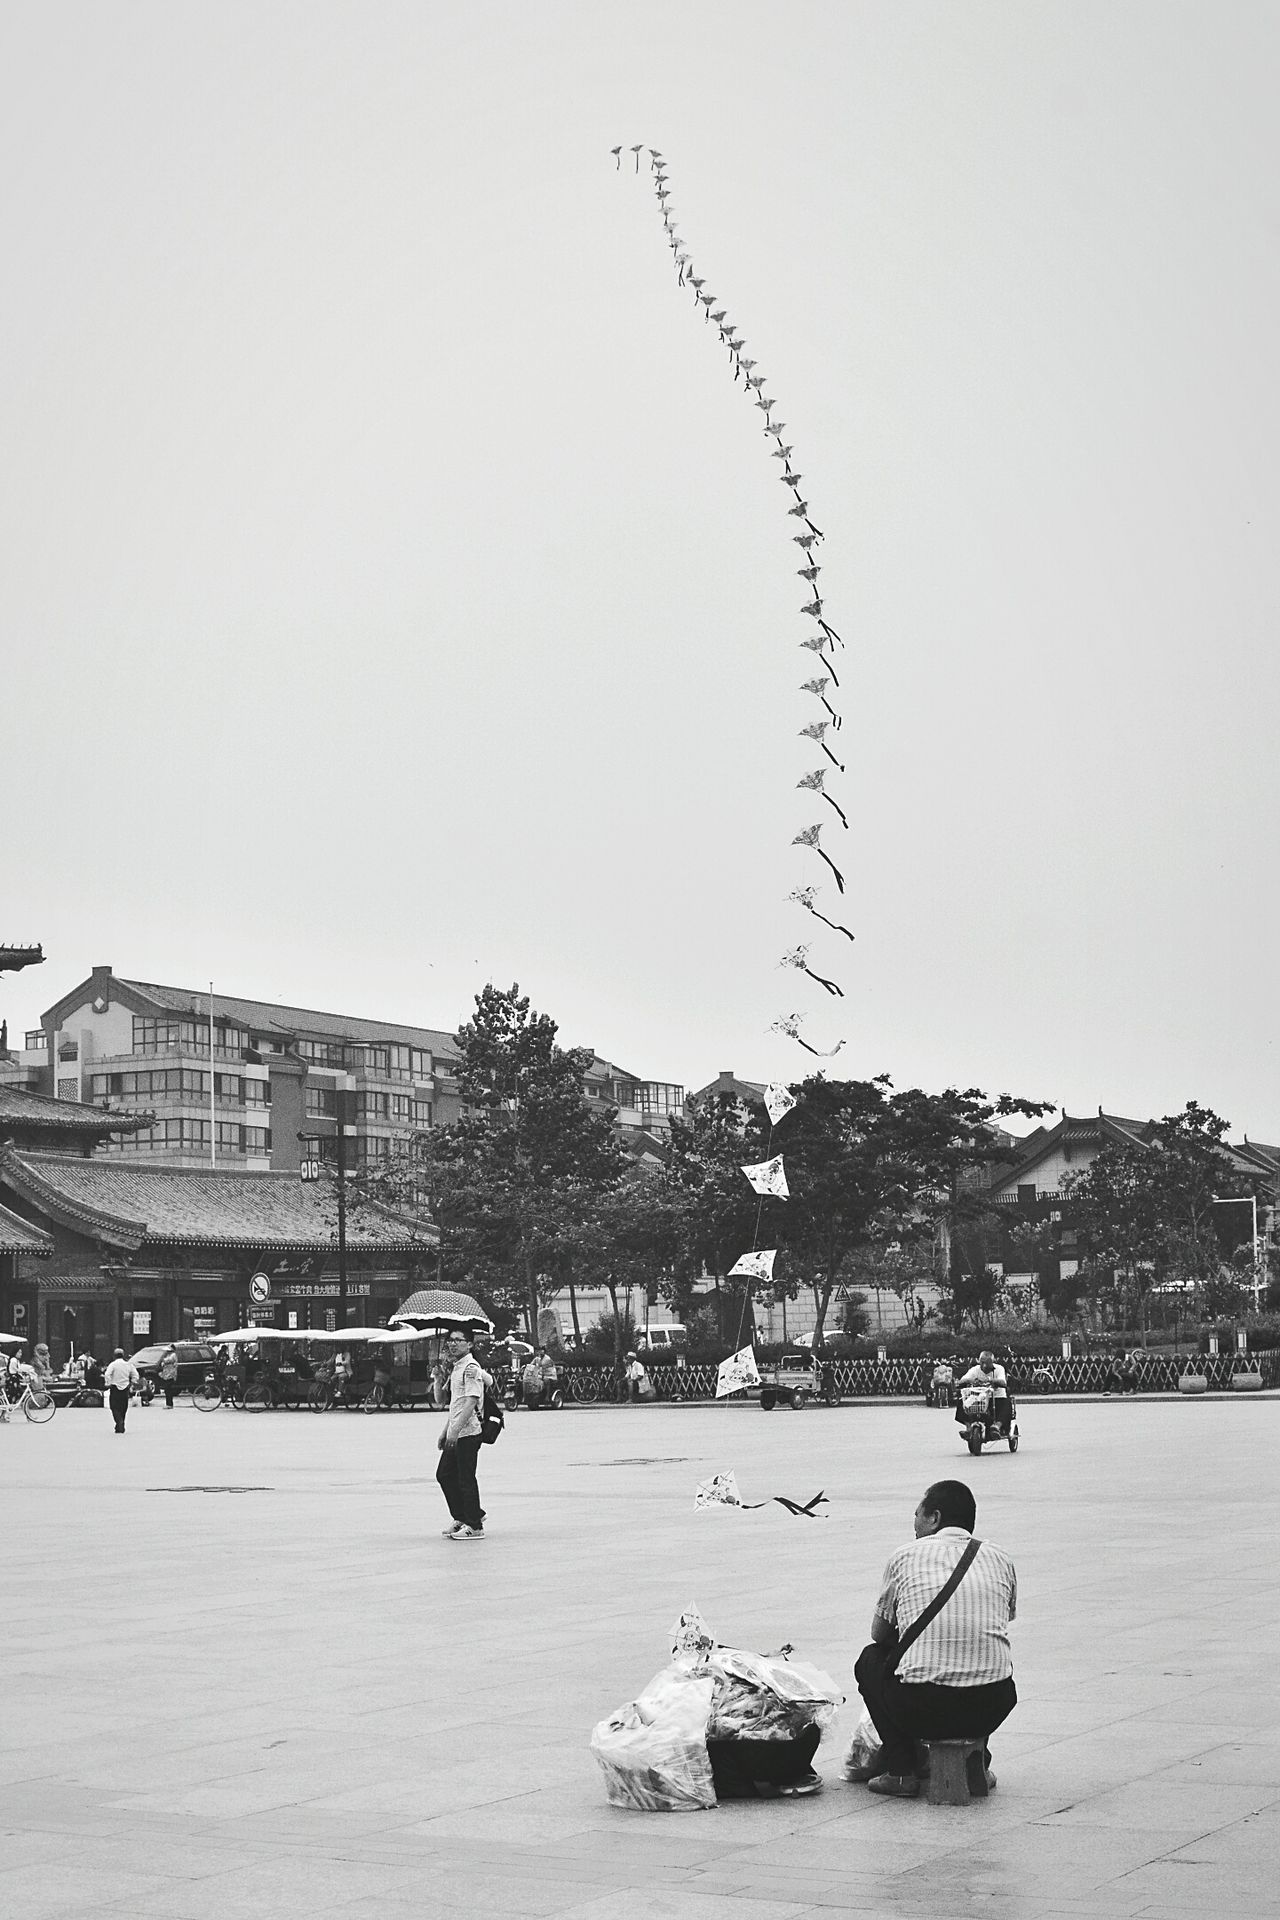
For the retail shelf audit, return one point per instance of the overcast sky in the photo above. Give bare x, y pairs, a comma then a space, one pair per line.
398, 593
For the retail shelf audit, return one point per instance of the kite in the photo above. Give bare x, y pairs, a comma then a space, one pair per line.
789, 1023
824, 637
738, 1371
798, 957
815, 782
804, 897
757, 1266
769, 1177
808, 837
722, 1491
778, 1102
816, 730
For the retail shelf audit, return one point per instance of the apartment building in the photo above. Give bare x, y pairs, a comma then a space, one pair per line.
237, 1083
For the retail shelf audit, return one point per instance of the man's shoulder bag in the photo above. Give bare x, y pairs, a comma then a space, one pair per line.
895, 1652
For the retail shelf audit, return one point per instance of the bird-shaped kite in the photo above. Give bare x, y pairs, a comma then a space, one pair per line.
798, 958
808, 837
789, 1023
814, 783
805, 897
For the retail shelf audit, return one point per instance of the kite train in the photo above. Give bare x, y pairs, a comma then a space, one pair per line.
822, 638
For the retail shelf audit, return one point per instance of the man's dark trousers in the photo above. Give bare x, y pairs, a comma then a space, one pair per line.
456, 1475
906, 1711
119, 1398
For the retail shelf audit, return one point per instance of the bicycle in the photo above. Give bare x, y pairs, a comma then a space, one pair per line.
36, 1402
208, 1394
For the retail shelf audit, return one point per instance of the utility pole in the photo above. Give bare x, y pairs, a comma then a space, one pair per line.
345, 1102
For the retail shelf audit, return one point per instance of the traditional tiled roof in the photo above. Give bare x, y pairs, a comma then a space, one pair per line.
126, 1205
19, 1236
266, 1016
23, 1113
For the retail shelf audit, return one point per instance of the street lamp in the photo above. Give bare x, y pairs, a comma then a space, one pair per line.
1249, 1200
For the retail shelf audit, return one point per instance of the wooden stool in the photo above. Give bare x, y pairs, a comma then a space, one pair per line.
949, 1772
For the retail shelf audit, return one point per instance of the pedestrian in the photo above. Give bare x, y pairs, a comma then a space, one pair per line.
459, 1441
169, 1374
121, 1377
637, 1378
952, 1678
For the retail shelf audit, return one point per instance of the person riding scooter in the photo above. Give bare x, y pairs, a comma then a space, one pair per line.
988, 1373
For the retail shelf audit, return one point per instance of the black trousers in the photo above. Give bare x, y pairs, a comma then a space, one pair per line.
906, 1711
168, 1388
456, 1475
119, 1398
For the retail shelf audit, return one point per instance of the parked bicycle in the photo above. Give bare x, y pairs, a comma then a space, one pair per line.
35, 1401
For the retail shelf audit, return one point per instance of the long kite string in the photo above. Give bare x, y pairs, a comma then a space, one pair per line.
823, 639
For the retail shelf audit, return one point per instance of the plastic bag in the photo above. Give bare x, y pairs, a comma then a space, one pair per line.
759, 1697
653, 1751
864, 1748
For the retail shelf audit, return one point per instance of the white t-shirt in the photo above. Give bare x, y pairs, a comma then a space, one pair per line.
979, 1377
121, 1373
466, 1382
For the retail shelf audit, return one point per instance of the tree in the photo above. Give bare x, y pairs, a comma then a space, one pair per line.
510, 1181
623, 1237
867, 1164
718, 1217
1145, 1211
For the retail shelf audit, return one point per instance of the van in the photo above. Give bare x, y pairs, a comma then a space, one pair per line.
665, 1342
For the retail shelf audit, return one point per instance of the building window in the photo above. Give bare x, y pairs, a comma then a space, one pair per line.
257, 1093
371, 1106
323, 1053
400, 1063
422, 1113
37, 1041
421, 1059
257, 1142
401, 1108
228, 1087
322, 1103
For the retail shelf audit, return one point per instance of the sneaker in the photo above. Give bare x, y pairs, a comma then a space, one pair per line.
895, 1786
451, 1533
465, 1533
809, 1782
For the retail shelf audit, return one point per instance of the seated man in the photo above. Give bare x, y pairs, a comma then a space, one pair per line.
954, 1679
990, 1374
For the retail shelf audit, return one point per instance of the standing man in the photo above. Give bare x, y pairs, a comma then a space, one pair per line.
121, 1377
953, 1679
459, 1441
169, 1374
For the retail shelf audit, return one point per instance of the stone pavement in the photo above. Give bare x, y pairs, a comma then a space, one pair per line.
298, 1699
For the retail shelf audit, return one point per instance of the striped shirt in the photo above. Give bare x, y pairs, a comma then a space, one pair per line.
967, 1643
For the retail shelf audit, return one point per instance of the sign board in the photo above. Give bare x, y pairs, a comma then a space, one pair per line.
141, 1322
323, 1289
260, 1288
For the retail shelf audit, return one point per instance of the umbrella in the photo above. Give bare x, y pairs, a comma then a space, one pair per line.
13, 1339
438, 1309
246, 1336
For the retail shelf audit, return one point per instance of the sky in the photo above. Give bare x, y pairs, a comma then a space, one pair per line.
397, 593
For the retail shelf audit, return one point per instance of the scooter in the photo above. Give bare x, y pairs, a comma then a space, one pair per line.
977, 1404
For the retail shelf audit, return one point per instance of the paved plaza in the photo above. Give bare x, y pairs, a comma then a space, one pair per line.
295, 1698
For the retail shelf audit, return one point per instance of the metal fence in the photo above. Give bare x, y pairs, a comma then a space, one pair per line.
1047, 1373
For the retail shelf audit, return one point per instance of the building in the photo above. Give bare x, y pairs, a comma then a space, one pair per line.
119, 1252
237, 1083
256, 1084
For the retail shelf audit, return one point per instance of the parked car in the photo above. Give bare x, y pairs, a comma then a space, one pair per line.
195, 1357
664, 1343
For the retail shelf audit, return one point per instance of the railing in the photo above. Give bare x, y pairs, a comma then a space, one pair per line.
1038, 1374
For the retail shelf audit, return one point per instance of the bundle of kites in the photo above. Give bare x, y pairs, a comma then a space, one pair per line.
695, 1734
